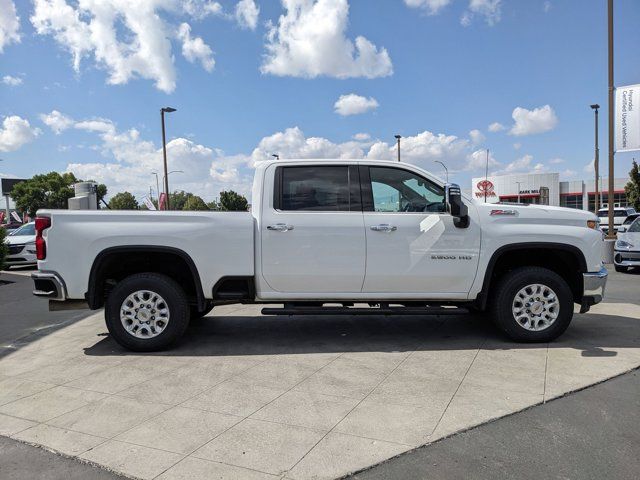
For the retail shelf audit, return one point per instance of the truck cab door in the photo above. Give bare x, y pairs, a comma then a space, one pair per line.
413, 246
312, 230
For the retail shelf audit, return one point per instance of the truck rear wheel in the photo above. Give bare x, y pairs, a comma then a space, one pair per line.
532, 304
147, 312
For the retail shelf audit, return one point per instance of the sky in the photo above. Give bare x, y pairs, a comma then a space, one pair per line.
82, 83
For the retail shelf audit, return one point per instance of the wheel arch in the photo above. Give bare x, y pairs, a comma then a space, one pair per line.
566, 260
121, 261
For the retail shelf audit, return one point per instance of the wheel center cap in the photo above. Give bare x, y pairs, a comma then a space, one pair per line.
143, 315
537, 308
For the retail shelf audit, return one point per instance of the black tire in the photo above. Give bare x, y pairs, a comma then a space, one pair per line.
195, 313
505, 293
621, 269
176, 304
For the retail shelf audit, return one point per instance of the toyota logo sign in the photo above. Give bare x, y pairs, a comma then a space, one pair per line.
485, 188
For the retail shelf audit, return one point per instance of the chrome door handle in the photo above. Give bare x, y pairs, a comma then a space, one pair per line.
280, 227
384, 227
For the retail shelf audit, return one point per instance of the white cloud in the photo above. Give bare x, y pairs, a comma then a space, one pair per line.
490, 10
309, 41
556, 161
194, 49
523, 164
11, 81
362, 137
590, 167
247, 13
126, 39
476, 136
56, 121
200, 9
496, 127
529, 122
9, 24
546, 6
517, 146
478, 160
432, 7
15, 132
353, 104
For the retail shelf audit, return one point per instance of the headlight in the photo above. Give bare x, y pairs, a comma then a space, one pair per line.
593, 224
623, 244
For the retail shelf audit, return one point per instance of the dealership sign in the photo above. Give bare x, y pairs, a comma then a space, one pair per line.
485, 189
627, 118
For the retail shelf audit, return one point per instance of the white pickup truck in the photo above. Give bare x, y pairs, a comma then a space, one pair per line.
366, 237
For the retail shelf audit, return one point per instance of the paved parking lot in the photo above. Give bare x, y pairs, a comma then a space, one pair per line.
245, 396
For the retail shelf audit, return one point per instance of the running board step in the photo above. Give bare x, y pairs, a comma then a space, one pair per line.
364, 311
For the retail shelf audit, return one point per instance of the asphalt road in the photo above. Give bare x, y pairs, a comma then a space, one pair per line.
594, 433
23, 317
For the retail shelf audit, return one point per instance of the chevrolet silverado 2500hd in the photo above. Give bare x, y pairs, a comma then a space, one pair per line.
346, 233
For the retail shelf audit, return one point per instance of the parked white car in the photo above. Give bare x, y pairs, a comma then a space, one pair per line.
620, 214
627, 248
627, 222
22, 246
326, 232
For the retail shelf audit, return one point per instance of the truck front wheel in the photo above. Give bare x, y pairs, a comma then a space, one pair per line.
146, 312
532, 304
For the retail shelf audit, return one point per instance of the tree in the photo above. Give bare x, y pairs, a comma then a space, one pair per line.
3, 247
233, 202
51, 190
195, 203
123, 201
632, 189
178, 199
214, 205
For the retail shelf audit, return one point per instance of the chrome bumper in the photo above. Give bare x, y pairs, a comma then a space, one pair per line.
49, 285
593, 292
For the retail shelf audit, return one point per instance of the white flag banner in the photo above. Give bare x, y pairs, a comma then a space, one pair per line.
149, 203
627, 118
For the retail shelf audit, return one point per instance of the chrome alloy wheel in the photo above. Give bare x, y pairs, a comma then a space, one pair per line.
144, 314
535, 307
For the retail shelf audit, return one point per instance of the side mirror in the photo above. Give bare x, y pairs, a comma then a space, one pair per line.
455, 205
622, 228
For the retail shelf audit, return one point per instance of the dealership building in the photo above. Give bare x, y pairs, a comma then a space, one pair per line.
547, 189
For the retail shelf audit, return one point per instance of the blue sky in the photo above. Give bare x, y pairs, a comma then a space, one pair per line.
304, 78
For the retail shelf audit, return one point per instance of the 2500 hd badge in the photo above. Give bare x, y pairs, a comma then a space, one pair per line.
451, 257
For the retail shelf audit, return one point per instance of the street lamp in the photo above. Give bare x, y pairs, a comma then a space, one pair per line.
446, 170
596, 160
398, 137
164, 152
157, 187
276, 156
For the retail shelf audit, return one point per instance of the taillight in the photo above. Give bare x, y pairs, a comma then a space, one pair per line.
42, 223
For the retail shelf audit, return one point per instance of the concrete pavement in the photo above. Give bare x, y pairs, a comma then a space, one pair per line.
252, 397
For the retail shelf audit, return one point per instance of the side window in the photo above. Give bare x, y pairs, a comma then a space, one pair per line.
397, 190
316, 188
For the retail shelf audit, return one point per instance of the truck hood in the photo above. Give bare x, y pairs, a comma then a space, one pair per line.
543, 214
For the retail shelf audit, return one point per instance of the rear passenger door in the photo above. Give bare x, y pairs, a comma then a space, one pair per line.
312, 236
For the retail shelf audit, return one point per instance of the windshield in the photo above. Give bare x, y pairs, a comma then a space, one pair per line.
635, 226
28, 229
616, 213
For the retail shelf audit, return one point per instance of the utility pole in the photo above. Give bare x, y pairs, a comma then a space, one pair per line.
398, 137
596, 161
164, 155
611, 233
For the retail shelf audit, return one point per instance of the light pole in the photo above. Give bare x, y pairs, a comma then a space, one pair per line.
276, 156
596, 160
518, 191
446, 170
611, 233
164, 110
398, 137
157, 188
